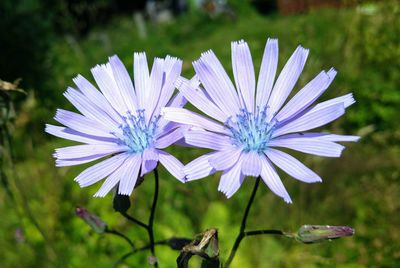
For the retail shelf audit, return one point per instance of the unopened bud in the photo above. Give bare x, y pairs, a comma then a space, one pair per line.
95, 222
317, 233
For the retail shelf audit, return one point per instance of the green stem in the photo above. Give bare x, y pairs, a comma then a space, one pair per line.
134, 220
242, 232
116, 233
152, 214
149, 226
261, 232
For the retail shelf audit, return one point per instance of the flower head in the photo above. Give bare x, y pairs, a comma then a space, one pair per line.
252, 119
122, 121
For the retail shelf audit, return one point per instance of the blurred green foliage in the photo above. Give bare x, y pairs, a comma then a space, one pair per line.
360, 189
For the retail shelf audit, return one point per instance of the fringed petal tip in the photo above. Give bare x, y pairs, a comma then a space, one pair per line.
287, 200
272, 40
113, 57
139, 54
121, 192
205, 55
225, 193
239, 43
48, 128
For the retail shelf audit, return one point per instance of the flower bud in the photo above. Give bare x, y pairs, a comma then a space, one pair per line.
317, 233
95, 222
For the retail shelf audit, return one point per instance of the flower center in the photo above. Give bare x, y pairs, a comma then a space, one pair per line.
251, 131
136, 133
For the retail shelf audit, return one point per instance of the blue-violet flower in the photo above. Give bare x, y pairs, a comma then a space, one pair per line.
251, 119
122, 121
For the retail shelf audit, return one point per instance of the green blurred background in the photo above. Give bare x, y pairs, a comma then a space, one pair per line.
46, 43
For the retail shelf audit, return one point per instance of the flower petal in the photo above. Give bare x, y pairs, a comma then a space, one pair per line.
267, 74
129, 174
231, 179
101, 170
272, 180
149, 161
154, 87
79, 161
292, 166
141, 77
124, 83
310, 146
243, 71
169, 139
185, 116
173, 165
177, 101
78, 151
164, 126
347, 101
199, 168
96, 97
105, 80
125, 172
172, 70
305, 97
251, 164
220, 95
323, 136
222, 77
225, 159
90, 110
205, 139
82, 124
314, 118
197, 97
109, 183
287, 79
70, 134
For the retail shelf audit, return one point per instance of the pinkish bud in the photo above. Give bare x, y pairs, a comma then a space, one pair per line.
95, 222
318, 233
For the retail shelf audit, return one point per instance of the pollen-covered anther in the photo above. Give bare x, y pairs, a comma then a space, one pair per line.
251, 131
136, 133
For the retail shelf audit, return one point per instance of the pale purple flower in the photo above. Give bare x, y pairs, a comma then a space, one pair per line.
252, 118
121, 121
